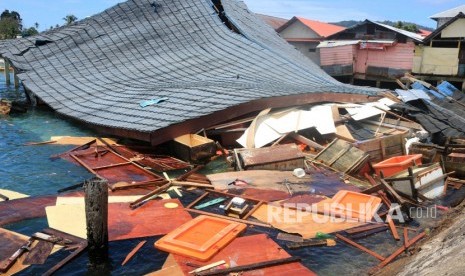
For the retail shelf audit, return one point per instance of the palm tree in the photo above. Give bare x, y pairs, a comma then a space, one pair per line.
70, 19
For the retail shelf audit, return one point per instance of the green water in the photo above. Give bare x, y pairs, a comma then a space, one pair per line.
29, 169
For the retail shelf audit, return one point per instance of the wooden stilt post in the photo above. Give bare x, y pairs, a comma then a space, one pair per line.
96, 204
7, 71
15, 78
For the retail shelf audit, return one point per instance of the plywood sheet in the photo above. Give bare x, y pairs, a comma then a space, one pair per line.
170, 268
11, 194
249, 250
24, 208
440, 61
258, 179
150, 219
300, 222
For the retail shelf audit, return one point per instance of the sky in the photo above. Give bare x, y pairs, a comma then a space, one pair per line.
51, 12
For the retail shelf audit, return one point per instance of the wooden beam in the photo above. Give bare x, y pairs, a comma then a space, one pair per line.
81, 248
356, 245
7, 71
249, 267
133, 252
399, 251
15, 78
229, 218
393, 228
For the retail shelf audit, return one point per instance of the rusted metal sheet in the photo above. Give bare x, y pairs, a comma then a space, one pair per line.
280, 157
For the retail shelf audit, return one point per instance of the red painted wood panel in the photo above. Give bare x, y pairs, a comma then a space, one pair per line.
341, 55
150, 219
250, 250
399, 56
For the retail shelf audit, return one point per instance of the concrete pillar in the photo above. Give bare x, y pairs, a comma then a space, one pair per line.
7, 72
378, 84
463, 86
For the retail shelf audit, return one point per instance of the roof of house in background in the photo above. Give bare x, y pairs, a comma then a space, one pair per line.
414, 36
443, 26
424, 33
99, 70
274, 22
449, 13
321, 28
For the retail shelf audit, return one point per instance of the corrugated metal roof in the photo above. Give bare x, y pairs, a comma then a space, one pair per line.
417, 37
449, 13
99, 69
337, 43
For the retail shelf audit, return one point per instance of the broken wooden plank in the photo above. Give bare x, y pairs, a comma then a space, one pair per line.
364, 228
83, 246
373, 189
39, 253
289, 237
306, 141
399, 251
393, 228
307, 243
155, 192
368, 233
255, 266
229, 218
392, 192
356, 245
133, 252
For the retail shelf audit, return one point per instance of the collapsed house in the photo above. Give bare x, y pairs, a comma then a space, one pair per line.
154, 70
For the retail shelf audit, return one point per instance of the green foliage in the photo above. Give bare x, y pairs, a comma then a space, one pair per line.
29, 32
406, 26
70, 19
10, 24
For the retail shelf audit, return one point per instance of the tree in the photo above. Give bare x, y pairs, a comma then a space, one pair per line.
36, 25
10, 24
29, 32
70, 19
406, 26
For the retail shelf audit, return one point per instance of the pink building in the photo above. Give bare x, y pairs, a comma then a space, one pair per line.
369, 50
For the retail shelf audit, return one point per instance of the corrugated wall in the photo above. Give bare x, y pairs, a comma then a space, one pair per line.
399, 56
341, 55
